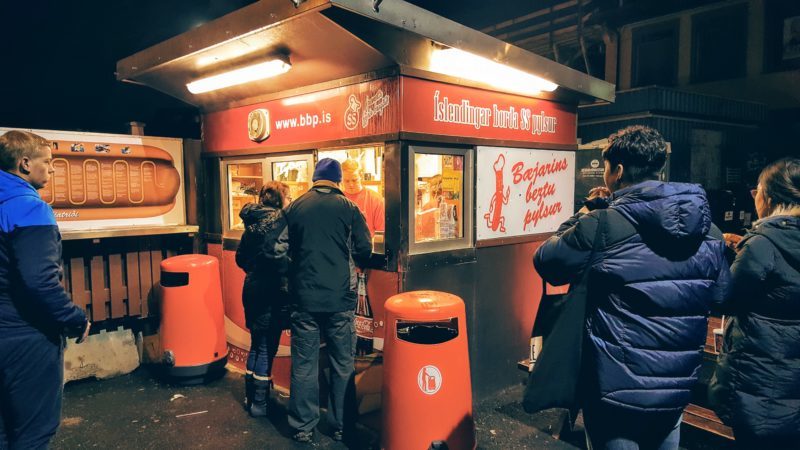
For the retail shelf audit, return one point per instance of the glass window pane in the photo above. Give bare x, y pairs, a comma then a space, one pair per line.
655, 55
294, 174
719, 44
369, 159
439, 196
244, 184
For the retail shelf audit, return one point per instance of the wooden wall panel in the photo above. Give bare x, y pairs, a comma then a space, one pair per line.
134, 292
145, 280
79, 293
116, 278
117, 286
99, 294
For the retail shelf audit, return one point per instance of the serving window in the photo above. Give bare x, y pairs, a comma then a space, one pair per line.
245, 180
440, 199
369, 159
363, 183
245, 177
294, 174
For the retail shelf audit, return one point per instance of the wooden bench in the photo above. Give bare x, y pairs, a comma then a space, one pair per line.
705, 419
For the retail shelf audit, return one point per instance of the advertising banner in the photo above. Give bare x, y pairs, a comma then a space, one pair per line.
364, 109
523, 192
107, 180
445, 109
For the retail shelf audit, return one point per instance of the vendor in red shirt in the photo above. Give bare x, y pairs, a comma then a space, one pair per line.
369, 202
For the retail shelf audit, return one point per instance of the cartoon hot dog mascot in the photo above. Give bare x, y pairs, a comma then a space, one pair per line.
110, 181
494, 218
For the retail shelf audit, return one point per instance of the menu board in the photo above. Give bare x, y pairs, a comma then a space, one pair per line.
103, 180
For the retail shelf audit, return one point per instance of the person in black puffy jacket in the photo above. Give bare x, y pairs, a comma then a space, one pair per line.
263, 254
657, 271
756, 386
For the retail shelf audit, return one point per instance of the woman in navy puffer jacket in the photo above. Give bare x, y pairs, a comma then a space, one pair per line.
659, 268
756, 387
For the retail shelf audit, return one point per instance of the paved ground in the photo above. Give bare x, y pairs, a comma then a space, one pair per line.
137, 412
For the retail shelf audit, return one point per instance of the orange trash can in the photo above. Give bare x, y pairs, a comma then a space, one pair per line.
192, 331
427, 389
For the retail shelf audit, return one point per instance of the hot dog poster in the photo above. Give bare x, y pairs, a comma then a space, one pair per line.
522, 192
104, 180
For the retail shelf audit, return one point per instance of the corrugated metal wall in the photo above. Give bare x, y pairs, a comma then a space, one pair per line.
660, 99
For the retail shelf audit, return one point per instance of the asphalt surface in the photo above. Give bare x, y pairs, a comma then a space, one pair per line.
137, 411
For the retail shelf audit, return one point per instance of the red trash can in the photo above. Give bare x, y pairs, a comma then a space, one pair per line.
427, 389
192, 331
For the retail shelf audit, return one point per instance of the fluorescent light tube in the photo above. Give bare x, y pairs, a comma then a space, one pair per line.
461, 64
239, 76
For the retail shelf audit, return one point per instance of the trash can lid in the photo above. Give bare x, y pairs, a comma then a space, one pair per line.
429, 305
183, 263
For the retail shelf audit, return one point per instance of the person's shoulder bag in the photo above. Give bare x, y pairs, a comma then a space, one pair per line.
553, 382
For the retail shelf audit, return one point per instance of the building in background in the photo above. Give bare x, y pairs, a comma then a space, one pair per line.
745, 51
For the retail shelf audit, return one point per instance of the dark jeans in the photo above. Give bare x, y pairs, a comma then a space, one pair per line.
338, 332
263, 347
609, 428
31, 384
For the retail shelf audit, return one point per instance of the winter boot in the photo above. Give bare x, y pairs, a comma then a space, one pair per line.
248, 391
258, 407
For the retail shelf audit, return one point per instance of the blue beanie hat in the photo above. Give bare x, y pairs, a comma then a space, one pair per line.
328, 169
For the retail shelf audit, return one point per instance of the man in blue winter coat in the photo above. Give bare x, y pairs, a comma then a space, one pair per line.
35, 312
658, 267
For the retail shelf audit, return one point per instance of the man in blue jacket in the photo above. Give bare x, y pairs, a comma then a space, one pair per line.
658, 268
35, 312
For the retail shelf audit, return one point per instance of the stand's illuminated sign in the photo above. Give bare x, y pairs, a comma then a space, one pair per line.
390, 106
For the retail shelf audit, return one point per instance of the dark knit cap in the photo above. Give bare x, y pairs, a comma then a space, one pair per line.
328, 169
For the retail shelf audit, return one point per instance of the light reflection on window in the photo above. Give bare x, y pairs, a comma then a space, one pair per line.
244, 184
439, 197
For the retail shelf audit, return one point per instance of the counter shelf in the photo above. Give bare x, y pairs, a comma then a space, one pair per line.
111, 232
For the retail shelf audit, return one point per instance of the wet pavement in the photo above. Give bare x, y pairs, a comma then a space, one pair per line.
138, 412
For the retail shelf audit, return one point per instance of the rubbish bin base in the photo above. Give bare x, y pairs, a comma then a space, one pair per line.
192, 375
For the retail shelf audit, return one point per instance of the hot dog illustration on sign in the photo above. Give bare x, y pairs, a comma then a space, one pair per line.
114, 182
494, 218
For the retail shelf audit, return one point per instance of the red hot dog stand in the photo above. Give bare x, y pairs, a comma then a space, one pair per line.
475, 170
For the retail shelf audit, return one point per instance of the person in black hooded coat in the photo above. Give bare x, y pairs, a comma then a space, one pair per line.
756, 386
263, 254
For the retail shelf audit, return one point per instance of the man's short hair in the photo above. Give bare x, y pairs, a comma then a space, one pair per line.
17, 144
351, 165
641, 150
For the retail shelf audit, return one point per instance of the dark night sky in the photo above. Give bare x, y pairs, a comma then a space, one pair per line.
57, 59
